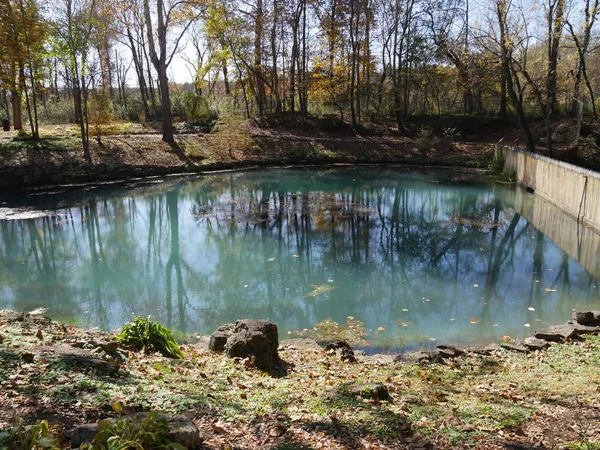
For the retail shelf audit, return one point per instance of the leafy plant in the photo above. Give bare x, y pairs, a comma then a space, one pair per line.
31, 437
584, 446
496, 167
148, 334
150, 433
450, 134
509, 175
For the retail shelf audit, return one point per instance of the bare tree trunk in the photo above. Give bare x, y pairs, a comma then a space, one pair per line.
258, 76
274, 75
512, 80
139, 70
555, 25
353, 45
503, 110
160, 64
15, 100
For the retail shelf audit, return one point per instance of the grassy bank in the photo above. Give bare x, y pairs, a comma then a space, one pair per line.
504, 400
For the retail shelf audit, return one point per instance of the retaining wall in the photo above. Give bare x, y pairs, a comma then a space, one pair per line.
580, 242
573, 189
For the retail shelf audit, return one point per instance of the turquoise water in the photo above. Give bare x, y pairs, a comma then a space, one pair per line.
419, 258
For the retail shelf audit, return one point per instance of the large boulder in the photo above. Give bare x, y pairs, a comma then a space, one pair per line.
254, 339
218, 339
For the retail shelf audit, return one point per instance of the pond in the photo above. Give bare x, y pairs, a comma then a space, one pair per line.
395, 258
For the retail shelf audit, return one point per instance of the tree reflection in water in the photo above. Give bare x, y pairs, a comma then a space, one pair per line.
418, 255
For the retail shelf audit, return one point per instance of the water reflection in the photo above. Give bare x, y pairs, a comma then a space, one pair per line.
423, 256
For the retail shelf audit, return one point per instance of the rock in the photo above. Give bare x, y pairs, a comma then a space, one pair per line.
584, 329
80, 358
181, 430
420, 357
384, 360
255, 339
372, 391
109, 347
337, 345
218, 339
300, 344
345, 355
557, 333
485, 350
449, 351
533, 343
82, 433
514, 347
342, 350
587, 317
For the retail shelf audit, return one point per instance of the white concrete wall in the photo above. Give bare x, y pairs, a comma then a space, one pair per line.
573, 189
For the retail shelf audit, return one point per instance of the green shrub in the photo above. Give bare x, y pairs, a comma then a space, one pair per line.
31, 437
425, 140
150, 433
53, 112
148, 334
197, 109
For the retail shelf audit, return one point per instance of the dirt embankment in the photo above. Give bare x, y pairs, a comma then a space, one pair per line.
131, 151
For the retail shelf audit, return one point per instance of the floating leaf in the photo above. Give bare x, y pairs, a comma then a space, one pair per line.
506, 338
320, 289
550, 290
473, 320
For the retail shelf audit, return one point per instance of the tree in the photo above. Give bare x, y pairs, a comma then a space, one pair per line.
166, 16
582, 43
22, 39
513, 84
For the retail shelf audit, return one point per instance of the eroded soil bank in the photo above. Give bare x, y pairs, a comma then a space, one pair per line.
494, 399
